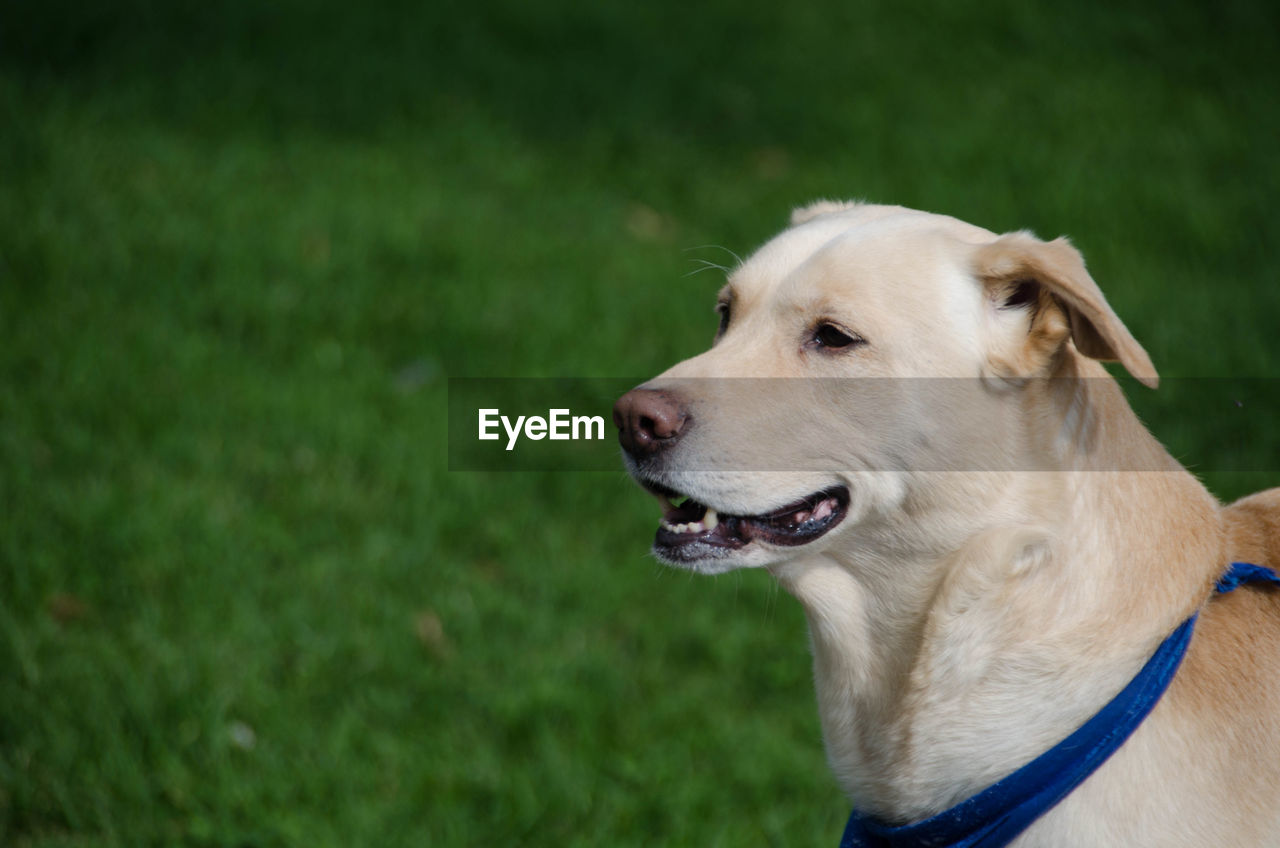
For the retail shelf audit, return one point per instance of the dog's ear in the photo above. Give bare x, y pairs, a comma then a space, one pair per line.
1048, 281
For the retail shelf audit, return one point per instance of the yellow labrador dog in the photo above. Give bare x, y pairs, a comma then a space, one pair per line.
904, 420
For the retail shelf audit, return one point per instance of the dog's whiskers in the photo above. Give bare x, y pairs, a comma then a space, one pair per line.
736, 258
707, 266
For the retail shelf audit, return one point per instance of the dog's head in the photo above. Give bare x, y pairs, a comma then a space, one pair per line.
859, 349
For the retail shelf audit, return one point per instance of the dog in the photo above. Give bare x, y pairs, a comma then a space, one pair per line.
904, 418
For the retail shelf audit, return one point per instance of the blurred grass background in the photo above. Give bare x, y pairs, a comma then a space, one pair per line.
243, 245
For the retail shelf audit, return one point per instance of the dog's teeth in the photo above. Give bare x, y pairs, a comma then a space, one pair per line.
693, 526
824, 509
710, 520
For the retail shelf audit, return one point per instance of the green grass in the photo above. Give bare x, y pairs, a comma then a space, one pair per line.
242, 246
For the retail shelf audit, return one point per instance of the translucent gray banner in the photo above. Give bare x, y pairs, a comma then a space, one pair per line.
919, 424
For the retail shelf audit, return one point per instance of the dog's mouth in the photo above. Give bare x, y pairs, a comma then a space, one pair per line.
690, 530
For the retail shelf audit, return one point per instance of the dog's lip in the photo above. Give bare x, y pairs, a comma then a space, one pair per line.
691, 530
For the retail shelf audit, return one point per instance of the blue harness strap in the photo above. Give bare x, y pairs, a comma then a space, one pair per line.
999, 813
1245, 572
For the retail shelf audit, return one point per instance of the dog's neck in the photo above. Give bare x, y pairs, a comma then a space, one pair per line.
973, 627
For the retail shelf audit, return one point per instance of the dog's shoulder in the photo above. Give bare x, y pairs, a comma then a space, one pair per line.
1253, 529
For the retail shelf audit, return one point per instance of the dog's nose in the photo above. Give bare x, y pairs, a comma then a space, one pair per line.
648, 420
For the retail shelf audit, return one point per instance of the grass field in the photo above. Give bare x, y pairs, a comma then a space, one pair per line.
244, 245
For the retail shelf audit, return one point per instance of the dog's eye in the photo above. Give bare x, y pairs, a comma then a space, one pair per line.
723, 308
832, 337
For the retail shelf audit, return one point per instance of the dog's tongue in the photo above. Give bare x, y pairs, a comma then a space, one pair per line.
817, 512
814, 508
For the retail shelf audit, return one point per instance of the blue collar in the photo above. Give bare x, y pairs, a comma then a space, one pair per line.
996, 815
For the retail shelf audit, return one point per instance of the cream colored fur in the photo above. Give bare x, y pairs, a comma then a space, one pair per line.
964, 621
